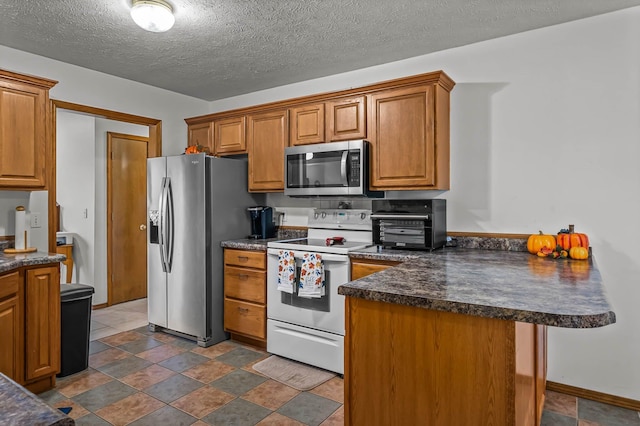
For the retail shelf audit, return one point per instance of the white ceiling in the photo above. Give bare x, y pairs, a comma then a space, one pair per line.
222, 48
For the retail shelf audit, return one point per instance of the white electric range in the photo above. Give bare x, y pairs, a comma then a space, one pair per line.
311, 329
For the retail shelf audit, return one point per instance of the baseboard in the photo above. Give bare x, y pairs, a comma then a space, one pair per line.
605, 398
100, 306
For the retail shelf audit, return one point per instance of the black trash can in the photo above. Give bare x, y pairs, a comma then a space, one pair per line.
75, 319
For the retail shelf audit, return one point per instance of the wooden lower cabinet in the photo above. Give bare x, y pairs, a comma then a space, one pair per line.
11, 327
245, 295
363, 267
406, 365
30, 326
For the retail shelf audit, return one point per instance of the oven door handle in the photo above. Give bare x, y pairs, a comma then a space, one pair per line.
400, 216
326, 257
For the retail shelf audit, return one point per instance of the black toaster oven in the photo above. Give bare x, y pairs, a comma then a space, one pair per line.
409, 224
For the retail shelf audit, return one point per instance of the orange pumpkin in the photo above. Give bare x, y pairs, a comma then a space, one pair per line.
537, 241
579, 253
572, 239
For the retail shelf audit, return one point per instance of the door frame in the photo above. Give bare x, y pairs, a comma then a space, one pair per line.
154, 149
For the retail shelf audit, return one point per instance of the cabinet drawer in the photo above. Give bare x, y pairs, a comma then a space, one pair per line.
246, 259
245, 318
245, 284
8, 285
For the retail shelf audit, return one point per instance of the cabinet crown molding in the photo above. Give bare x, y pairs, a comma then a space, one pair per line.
435, 77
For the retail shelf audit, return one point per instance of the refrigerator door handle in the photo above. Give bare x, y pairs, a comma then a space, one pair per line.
170, 226
162, 208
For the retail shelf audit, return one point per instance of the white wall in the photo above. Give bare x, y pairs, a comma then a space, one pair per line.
75, 182
545, 131
87, 87
34, 201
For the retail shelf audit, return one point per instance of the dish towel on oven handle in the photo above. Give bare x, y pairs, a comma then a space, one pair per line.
286, 271
311, 282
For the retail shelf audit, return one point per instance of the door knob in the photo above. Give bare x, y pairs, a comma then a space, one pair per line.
143, 227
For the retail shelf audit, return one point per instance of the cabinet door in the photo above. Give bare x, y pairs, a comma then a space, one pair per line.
267, 135
307, 124
229, 136
23, 115
403, 140
346, 119
11, 328
200, 134
42, 302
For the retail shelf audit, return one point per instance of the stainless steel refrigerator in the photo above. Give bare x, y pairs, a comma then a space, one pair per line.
194, 202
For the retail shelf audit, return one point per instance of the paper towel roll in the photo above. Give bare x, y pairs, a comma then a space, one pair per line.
21, 227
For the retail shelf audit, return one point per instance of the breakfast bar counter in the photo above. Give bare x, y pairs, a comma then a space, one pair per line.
507, 285
459, 336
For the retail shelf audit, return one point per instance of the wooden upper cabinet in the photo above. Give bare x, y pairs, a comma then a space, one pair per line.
346, 119
229, 136
409, 135
24, 124
307, 124
267, 136
201, 134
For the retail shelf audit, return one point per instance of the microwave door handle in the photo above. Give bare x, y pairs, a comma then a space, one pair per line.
343, 167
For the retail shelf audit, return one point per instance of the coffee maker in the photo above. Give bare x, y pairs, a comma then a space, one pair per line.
262, 226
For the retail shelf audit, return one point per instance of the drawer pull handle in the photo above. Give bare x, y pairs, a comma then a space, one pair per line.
243, 310
243, 276
243, 258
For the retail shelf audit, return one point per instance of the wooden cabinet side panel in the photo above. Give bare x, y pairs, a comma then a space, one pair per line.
307, 124
541, 369
346, 119
408, 365
525, 374
267, 136
442, 143
403, 139
42, 325
22, 135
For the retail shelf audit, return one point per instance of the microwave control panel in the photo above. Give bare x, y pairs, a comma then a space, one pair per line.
354, 168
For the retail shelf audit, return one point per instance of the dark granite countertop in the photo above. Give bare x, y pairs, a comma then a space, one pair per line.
9, 262
510, 285
18, 406
248, 244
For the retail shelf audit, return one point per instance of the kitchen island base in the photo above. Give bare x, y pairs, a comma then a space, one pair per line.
408, 365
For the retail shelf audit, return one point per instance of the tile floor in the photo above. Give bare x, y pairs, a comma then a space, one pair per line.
136, 377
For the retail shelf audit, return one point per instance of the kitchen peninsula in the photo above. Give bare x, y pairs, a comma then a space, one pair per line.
458, 336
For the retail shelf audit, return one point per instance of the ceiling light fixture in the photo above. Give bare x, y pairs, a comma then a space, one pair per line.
153, 15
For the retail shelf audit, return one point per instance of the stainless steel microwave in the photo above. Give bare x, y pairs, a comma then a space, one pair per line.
328, 169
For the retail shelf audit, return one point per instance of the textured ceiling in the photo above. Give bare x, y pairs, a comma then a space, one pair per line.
222, 48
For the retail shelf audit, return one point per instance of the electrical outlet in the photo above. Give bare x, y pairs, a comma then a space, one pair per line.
36, 220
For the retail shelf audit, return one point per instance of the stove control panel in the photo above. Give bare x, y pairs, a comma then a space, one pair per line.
340, 219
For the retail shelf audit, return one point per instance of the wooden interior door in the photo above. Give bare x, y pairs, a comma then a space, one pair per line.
126, 217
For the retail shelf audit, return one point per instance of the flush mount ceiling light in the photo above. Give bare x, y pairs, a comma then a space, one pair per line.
153, 15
